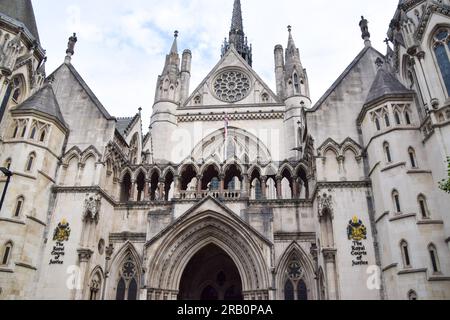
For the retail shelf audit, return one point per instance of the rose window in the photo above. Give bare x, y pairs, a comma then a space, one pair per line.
232, 86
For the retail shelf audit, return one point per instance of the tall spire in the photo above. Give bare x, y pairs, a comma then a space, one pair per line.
236, 22
237, 37
21, 11
291, 44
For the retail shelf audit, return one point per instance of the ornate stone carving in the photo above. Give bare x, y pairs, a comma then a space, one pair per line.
84, 255
92, 208
329, 255
325, 202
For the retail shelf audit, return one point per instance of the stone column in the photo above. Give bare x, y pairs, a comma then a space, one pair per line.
162, 187
79, 174
295, 188
199, 184
264, 187
84, 255
177, 186
222, 184
245, 189
329, 256
132, 190
146, 190
279, 188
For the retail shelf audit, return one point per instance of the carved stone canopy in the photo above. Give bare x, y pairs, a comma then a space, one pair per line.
325, 202
92, 208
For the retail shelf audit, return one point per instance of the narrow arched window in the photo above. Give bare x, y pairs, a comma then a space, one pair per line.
33, 133
441, 49
42, 136
397, 118
30, 162
434, 258
412, 295
387, 151
19, 207
386, 120
7, 253
24, 130
405, 254
377, 124
423, 206
396, 199
15, 131
296, 84
407, 117
412, 158
289, 291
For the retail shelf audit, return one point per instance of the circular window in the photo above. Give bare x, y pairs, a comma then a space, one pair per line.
232, 86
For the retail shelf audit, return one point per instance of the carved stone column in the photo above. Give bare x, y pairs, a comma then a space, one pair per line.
132, 190
329, 256
295, 188
84, 256
279, 187
222, 184
162, 190
199, 185
264, 187
177, 186
245, 186
146, 190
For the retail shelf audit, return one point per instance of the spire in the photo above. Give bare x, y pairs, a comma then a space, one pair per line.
291, 44
21, 11
237, 37
174, 48
71, 48
365, 34
236, 22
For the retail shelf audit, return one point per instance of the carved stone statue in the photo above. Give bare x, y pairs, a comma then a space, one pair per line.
364, 24
71, 45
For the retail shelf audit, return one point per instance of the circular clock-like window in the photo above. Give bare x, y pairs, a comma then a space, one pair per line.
232, 86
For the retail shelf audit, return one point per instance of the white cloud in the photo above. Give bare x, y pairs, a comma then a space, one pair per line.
122, 44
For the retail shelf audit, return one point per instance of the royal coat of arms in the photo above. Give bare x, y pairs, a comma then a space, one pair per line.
356, 230
62, 232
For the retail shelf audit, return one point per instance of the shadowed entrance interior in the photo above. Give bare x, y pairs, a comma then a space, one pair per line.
211, 275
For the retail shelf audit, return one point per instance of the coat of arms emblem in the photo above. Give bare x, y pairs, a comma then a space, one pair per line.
62, 232
356, 230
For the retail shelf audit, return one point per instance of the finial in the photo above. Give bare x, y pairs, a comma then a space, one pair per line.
140, 110
175, 34
289, 28
71, 47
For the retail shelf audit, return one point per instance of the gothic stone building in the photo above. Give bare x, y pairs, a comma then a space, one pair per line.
236, 191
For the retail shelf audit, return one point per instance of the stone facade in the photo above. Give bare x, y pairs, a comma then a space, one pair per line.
283, 199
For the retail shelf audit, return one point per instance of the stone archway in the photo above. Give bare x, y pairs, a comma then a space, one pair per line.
208, 223
211, 275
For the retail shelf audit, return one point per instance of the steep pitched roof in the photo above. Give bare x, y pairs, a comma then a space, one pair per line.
125, 124
343, 76
22, 11
385, 83
86, 88
43, 101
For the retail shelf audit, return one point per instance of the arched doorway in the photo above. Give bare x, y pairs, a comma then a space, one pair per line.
211, 275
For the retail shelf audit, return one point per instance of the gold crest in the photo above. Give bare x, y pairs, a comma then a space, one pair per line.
356, 230
62, 231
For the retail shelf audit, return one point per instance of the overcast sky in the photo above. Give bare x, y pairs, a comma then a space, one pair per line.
122, 44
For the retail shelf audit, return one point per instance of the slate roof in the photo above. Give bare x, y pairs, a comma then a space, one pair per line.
123, 125
86, 88
385, 83
43, 101
22, 11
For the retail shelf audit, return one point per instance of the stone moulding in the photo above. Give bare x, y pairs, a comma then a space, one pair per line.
232, 117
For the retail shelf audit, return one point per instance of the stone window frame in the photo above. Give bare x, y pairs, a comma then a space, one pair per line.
222, 72
434, 259
434, 43
396, 201
31, 158
413, 158
7, 253
18, 208
406, 254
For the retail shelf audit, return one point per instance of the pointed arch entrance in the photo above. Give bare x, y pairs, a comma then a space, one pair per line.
211, 275
209, 228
